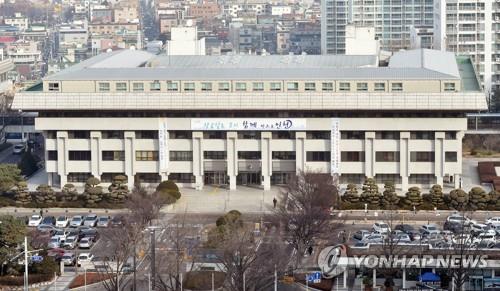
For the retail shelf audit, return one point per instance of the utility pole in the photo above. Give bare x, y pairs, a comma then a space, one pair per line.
135, 267
153, 258
25, 263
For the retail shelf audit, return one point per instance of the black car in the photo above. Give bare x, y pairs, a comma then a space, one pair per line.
406, 228
455, 227
117, 221
91, 233
49, 220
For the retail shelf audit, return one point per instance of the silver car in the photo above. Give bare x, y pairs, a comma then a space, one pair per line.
70, 242
103, 221
85, 243
76, 221
69, 259
90, 220
55, 242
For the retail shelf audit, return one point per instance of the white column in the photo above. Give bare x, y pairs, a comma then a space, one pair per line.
266, 159
374, 278
95, 153
345, 278
369, 154
404, 159
404, 278
198, 159
300, 151
62, 157
232, 158
457, 176
439, 156
129, 140
50, 179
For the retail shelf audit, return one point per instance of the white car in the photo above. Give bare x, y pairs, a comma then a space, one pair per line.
35, 220
61, 234
381, 227
62, 221
429, 230
85, 243
71, 242
18, 149
478, 228
487, 236
493, 220
459, 219
90, 220
76, 221
55, 242
84, 260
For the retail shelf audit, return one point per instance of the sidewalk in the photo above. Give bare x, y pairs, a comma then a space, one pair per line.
62, 282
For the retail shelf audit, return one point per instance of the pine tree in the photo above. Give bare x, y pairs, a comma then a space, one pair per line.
371, 194
390, 199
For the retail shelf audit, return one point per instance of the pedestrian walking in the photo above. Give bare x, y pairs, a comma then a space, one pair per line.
41, 212
275, 202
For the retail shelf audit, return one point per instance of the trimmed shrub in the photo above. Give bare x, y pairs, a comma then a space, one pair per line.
390, 198
436, 196
478, 199
169, 188
93, 192
459, 199
351, 194
22, 196
118, 190
371, 194
413, 197
494, 202
45, 194
69, 193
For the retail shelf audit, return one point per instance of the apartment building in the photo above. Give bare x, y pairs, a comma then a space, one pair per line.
471, 28
256, 120
391, 19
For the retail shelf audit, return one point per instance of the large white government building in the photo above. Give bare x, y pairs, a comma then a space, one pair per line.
256, 120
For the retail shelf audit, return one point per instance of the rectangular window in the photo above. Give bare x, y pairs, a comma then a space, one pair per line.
327, 86
241, 86
429, 135
79, 134
275, 86
185, 156
138, 87
310, 86
379, 87
51, 134
110, 177
214, 135
146, 134
424, 179
52, 155
362, 87
344, 86
249, 155
148, 177
206, 86
422, 156
449, 87
352, 135
214, 155
258, 86
450, 157
189, 86
283, 134
223, 86
54, 87
180, 134
173, 86
78, 177
387, 135
450, 135
292, 86
112, 134
113, 155
317, 156
387, 156
397, 87
154, 86
318, 135
283, 155
103, 87
121, 87
181, 177
79, 155
249, 135
352, 156
146, 155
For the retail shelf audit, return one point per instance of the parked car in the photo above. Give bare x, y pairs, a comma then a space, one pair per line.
427, 229
93, 234
489, 235
415, 235
71, 242
447, 235
493, 220
46, 228
103, 221
457, 218
18, 149
406, 228
55, 242
117, 221
76, 221
49, 220
85, 243
62, 234
399, 236
381, 227
56, 253
90, 220
361, 234
478, 228
62, 221
454, 226
462, 239
35, 220
69, 259
373, 238
84, 259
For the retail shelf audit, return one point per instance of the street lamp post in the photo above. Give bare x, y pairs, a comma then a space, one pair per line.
25, 263
22, 124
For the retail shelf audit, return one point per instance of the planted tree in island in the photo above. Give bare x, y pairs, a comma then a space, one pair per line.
118, 190
93, 192
371, 194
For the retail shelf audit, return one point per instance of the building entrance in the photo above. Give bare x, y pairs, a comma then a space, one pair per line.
249, 178
216, 178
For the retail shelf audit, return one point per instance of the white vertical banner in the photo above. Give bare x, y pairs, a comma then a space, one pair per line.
163, 145
335, 146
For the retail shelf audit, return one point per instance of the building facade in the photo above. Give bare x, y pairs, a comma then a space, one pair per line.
391, 19
255, 120
471, 28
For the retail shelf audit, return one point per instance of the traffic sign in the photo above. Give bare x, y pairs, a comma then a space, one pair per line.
314, 277
37, 259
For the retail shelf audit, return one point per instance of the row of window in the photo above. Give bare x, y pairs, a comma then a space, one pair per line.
185, 134
244, 86
311, 156
426, 179
139, 177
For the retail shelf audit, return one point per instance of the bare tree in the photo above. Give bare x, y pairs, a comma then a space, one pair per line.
143, 206
305, 210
